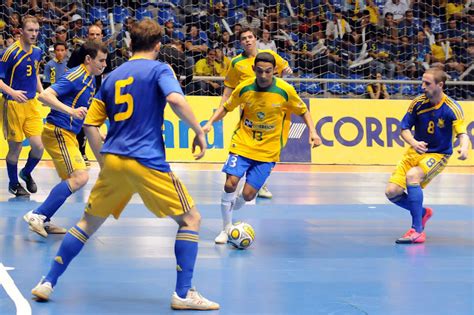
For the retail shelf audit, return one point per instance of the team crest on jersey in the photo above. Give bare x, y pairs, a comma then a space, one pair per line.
248, 123
440, 123
29, 59
260, 115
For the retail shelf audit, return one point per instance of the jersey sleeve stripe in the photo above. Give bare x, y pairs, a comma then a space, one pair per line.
9, 51
76, 74
454, 107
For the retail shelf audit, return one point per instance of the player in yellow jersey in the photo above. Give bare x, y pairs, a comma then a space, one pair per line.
241, 69
267, 103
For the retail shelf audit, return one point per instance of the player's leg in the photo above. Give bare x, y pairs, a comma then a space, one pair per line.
152, 186
33, 127
13, 122
110, 194
82, 141
63, 149
71, 245
186, 249
14, 186
257, 175
235, 168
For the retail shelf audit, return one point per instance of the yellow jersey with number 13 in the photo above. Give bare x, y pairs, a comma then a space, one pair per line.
264, 123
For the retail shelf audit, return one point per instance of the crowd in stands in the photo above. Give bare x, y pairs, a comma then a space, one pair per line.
355, 39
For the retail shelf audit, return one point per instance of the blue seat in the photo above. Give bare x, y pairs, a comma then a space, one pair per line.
142, 13
356, 88
98, 13
310, 87
335, 87
120, 14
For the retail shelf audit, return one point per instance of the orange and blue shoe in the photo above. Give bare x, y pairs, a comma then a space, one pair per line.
412, 237
426, 217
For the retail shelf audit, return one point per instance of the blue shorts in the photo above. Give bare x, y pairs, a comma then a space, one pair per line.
257, 172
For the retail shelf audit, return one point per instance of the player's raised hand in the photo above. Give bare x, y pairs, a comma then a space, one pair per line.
287, 71
19, 96
420, 147
199, 141
79, 113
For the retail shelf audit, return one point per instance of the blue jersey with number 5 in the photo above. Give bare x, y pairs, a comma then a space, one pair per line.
133, 97
434, 124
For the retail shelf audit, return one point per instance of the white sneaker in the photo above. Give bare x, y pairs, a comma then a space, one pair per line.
36, 223
51, 228
264, 192
221, 238
42, 290
193, 301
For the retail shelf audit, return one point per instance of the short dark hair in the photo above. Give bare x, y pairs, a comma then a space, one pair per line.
145, 35
91, 48
245, 30
265, 57
60, 43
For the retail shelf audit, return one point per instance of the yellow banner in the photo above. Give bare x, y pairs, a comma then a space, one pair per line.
363, 131
354, 131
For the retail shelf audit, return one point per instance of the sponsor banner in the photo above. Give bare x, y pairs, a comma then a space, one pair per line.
363, 131
353, 131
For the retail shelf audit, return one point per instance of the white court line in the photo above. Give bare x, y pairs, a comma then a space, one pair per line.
22, 305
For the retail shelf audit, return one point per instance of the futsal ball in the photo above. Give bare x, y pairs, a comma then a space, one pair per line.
241, 235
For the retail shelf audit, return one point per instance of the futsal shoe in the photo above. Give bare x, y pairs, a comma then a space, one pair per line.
42, 290
36, 223
221, 238
18, 190
412, 237
264, 192
30, 183
51, 228
427, 216
193, 301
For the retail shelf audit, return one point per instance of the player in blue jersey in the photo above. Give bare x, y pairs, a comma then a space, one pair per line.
69, 99
133, 97
19, 81
434, 116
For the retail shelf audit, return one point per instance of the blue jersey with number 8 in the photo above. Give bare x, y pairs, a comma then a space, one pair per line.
434, 124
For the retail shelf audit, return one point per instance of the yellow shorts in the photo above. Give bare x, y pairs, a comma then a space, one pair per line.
62, 145
431, 163
23, 120
121, 177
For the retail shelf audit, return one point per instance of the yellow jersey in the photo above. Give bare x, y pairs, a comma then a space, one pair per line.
240, 68
264, 123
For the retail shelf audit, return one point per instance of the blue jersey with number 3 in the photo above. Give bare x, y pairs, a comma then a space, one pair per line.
134, 98
434, 124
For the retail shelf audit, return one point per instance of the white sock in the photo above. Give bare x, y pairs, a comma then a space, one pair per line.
227, 203
239, 202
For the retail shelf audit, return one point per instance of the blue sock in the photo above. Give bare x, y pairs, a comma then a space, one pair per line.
185, 250
12, 170
402, 201
55, 199
30, 165
72, 244
415, 199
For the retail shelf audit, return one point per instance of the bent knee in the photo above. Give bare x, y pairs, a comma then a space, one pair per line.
78, 179
392, 191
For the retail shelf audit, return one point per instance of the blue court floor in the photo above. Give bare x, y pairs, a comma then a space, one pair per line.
324, 245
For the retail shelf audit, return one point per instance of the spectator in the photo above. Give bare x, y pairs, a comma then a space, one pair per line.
196, 43
338, 26
377, 90
266, 42
397, 8
250, 20
77, 33
208, 67
56, 67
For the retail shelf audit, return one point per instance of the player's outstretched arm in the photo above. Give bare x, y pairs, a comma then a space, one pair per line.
226, 94
182, 109
95, 142
463, 146
49, 97
314, 139
218, 115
